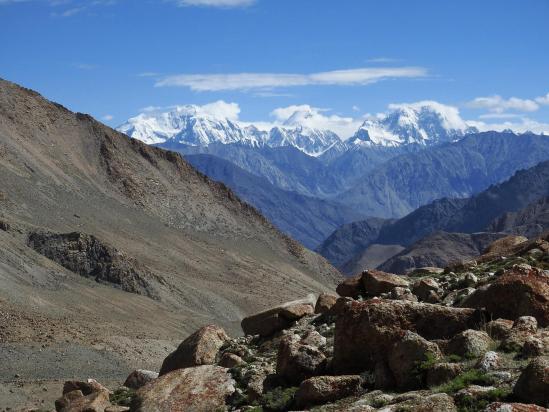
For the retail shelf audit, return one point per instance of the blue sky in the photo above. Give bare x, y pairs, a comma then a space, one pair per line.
111, 58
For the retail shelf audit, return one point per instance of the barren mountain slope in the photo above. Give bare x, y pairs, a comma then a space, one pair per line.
142, 216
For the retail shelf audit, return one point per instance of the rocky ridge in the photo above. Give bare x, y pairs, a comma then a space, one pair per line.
472, 337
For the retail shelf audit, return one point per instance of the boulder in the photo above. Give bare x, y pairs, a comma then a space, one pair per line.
489, 361
139, 377
532, 347
514, 407
364, 330
405, 360
499, 329
87, 388
400, 293
427, 290
443, 372
527, 324
199, 389
473, 393
296, 361
514, 294
76, 401
324, 303
200, 348
376, 282
230, 360
533, 383
351, 288
281, 317
323, 389
469, 343
439, 402
313, 338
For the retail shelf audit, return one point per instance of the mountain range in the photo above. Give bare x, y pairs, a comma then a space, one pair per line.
517, 205
393, 164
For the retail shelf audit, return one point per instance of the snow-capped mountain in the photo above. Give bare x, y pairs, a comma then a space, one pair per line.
190, 126
424, 123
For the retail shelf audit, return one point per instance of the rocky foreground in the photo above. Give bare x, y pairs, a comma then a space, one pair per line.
472, 337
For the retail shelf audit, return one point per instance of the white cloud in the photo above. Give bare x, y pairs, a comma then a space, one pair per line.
449, 114
267, 81
316, 118
498, 104
543, 100
108, 117
218, 109
221, 109
382, 60
216, 3
521, 125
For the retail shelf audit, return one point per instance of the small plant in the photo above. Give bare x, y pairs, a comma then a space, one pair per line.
465, 379
479, 403
422, 367
453, 358
279, 399
122, 397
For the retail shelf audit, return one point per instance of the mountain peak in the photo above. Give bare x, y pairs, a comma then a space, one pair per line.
424, 123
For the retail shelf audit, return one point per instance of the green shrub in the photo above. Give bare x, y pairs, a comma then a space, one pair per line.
478, 404
122, 397
279, 399
465, 379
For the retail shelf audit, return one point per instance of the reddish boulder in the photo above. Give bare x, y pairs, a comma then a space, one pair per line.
200, 348
513, 295
514, 407
296, 361
351, 288
533, 383
364, 330
376, 282
281, 317
199, 389
324, 389
404, 357
324, 303
139, 378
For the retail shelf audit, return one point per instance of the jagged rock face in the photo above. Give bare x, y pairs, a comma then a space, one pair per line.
201, 389
88, 256
533, 384
364, 330
200, 348
515, 294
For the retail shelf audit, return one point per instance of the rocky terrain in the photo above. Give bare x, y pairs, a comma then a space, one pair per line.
472, 337
112, 250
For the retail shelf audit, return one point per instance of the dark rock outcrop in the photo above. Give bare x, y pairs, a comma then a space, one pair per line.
88, 256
